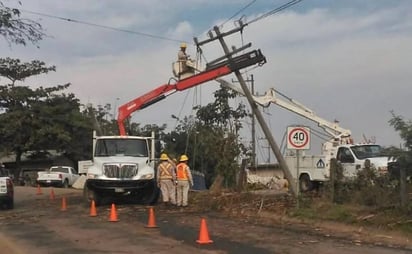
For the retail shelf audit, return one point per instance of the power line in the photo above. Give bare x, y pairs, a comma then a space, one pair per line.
276, 10
105, 27
239, 11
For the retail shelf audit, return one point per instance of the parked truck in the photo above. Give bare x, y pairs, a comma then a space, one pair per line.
315, 169
122, 168
62, 176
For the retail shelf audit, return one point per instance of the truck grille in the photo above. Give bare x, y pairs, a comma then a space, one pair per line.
120, 171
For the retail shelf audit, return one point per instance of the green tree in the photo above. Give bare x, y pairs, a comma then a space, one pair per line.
17, 30
211, 140
42, 118
38, 119
404, 128
177, 141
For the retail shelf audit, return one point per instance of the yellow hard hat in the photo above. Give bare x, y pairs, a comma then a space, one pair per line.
183, 45
164, 157
184, 158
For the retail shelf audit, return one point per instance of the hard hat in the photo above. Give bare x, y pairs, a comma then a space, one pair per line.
184, 158
164, 157
183, 45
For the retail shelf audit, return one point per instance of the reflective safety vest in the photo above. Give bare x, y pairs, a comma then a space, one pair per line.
181, 172
165, 171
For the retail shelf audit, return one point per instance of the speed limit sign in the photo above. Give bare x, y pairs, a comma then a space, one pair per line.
298, 138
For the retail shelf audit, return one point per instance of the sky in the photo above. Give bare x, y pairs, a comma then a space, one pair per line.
346, 60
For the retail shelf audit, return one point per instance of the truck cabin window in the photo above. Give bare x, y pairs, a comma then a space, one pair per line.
118, 147
63, 170
367, 151
345, 156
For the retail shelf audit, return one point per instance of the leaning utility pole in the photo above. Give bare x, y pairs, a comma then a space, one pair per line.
256, 111
252, 88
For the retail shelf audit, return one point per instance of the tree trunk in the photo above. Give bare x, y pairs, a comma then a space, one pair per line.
403, 190
18, 164
332, 175
216, 187
242, 176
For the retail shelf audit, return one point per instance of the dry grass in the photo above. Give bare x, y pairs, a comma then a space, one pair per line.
284, 208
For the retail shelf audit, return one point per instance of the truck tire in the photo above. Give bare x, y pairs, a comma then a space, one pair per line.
305, 184
10, 204
90, 195
151, 195
66, 183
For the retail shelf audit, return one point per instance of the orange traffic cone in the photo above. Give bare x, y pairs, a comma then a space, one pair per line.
93, 212
151, 223
203, 233
39, 190
52, 194
64, 205
113, 214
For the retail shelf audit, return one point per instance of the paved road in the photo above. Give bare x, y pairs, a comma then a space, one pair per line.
37, 225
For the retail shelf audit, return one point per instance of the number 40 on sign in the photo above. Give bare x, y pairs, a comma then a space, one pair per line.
298, 138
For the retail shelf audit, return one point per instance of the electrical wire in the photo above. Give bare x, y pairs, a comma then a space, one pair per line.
276, 10
237, 13
104, 26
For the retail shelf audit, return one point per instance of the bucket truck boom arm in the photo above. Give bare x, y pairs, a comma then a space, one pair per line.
332, 128
211, 72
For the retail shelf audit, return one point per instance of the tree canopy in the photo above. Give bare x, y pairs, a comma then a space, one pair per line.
211, 138
39, 119
17, 30
404, 128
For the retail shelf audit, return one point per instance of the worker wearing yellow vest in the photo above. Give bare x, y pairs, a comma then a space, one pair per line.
166, 178
184, 181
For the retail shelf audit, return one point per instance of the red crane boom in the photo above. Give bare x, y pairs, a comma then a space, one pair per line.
212, 72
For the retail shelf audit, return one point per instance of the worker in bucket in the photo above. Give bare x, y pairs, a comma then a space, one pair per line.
166, 178
183, 58
184, 181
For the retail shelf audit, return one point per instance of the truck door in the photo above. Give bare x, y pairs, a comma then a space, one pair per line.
347, 160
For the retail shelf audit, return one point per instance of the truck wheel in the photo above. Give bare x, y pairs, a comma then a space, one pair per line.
66, 183
305, 184
90, 195
10, 204
151, 195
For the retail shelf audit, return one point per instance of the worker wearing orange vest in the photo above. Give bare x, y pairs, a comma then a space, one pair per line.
166, 178
184, 181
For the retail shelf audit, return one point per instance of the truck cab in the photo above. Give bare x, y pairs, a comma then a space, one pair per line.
121, 168
353, 158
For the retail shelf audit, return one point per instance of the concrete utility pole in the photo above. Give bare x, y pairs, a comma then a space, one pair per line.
252, 86
252, 89
256, 112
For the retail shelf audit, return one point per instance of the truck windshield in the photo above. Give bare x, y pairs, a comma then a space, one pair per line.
367, 151
125, 147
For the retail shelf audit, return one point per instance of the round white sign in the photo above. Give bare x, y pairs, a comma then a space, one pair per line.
298, 138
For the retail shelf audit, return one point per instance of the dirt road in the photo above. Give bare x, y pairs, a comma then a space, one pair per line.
37, 225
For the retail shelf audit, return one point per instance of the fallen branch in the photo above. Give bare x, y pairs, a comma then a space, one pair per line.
399, 222
261, 205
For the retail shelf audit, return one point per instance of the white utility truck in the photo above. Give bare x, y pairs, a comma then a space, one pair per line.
62, 176
122, 168
314, 169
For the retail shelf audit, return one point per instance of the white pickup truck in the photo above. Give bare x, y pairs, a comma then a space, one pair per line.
63, 176
6, 189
